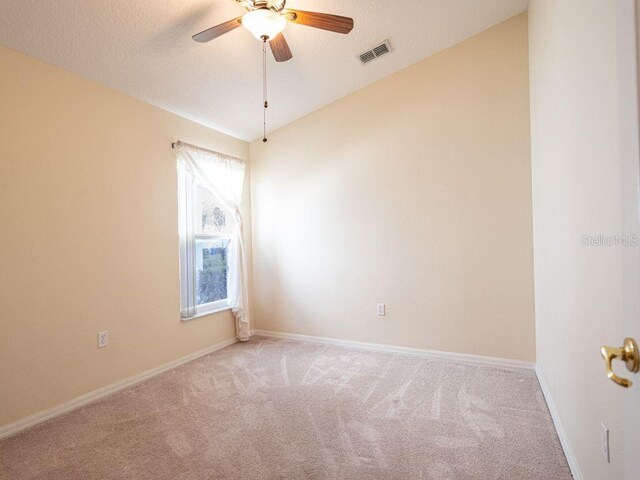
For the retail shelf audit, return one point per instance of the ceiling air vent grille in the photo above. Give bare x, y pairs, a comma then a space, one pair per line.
366, 57
375, 52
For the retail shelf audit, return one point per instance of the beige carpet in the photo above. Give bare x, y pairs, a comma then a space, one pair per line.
274, 409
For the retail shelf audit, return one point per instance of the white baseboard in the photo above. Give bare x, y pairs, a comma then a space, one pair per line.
564, 441
74, 403
456, 357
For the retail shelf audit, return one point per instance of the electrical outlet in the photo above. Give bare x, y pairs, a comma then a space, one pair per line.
381, 310
604, 442
103, 339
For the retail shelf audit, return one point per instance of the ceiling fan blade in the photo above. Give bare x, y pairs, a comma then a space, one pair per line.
325, 21
214, 32
280, 48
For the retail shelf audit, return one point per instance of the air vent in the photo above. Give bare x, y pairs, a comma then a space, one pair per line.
375, 52
366, 57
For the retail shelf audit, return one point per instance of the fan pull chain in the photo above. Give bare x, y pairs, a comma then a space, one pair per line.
264, 88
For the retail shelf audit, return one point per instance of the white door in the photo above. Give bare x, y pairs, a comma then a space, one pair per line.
628, 78
632, 314
585, 171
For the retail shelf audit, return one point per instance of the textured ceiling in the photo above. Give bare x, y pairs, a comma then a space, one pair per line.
144, 48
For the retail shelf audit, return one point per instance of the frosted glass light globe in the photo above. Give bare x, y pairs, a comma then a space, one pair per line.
264, 23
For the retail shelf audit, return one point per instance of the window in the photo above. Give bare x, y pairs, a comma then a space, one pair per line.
204, 254
213, 271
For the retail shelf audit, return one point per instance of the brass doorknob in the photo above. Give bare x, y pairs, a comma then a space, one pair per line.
628, 353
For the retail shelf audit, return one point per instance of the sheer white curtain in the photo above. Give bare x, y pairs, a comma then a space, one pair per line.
223, 176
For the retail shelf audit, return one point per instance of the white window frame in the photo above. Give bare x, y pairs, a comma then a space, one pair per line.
188, 270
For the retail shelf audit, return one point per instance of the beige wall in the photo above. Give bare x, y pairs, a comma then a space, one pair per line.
580, 179
414, 192
89, 236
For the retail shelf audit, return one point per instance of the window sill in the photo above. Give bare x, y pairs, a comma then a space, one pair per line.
207, 312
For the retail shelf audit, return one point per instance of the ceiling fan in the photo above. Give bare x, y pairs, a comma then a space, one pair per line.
266, 19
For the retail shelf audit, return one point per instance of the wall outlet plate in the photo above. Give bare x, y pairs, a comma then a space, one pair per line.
604, 442
103, 339
381, 309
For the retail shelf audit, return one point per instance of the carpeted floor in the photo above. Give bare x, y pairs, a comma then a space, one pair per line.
276, 409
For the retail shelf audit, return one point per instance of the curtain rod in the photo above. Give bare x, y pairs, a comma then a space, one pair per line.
179, 143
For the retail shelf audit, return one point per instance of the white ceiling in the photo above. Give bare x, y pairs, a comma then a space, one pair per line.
144, 48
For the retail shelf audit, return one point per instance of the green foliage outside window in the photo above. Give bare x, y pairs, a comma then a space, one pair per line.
212, 279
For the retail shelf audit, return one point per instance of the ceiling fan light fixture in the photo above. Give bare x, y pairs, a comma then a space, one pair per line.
264, 22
